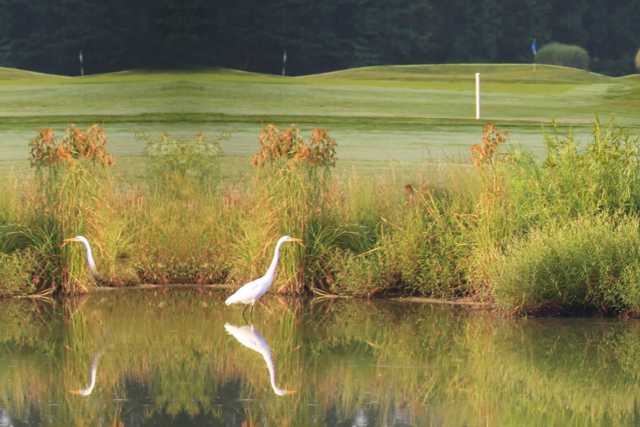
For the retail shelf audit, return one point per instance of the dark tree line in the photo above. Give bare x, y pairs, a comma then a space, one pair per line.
318, 35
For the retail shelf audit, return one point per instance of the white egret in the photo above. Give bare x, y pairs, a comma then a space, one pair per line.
252, 291
249, 337
89, 253
92, 382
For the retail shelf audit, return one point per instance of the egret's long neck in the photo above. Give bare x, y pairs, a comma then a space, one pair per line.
274, 262
90, 262
94, 371
272, 373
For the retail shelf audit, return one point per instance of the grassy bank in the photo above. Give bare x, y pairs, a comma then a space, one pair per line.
410, 114
561, 233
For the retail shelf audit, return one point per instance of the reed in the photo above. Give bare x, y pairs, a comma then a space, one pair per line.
73, 182
180, 221
469, 232
522, 197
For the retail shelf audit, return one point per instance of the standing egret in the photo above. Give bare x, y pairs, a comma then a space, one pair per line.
89, 253
249, 337
252, 291
92, 377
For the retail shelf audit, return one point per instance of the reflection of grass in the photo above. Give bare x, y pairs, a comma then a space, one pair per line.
393, 360
560, 370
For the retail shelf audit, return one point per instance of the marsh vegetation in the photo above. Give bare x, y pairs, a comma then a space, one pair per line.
510, 215
558, 233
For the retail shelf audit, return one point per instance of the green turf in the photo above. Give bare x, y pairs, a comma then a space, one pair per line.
405, 113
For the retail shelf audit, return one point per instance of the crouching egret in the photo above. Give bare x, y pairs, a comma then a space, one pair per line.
252, 291
249, 337
89, 253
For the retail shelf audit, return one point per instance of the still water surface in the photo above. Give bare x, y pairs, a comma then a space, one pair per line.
145, 358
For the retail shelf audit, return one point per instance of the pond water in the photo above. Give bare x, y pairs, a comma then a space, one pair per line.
159, 358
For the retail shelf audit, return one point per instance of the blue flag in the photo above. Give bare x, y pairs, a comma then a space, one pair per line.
534, 47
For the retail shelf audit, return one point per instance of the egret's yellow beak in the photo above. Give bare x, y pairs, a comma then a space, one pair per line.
65, 241
298, 241
74, 392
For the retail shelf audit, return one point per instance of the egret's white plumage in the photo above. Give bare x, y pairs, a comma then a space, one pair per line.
252, 291
91, 264
249, 337
92, 381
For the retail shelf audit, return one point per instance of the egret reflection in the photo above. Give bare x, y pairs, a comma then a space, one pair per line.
249, 337
92, 380
5, 419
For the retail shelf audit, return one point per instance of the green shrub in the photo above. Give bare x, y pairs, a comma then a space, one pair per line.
177, 164
175, 241
356, 264
18, 273
563, 54
603, 176
589, 262
522, 194
411, 240
181, 228
14, 201
362, 274
426, 248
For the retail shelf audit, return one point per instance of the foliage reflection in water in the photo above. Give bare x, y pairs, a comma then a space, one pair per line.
177, 358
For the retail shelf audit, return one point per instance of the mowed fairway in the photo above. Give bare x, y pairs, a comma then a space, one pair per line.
410, 114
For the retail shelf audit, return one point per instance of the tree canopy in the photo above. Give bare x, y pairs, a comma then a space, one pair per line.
317, 35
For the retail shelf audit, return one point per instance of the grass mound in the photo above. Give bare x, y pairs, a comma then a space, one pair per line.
453, 72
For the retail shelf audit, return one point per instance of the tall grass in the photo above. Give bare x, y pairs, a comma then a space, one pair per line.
597, 184
473, 232
179, 222
16, 261
73, 181
590, 263
404, 239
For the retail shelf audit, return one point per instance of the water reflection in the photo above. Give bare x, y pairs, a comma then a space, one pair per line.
250, 337
5, 419
361, 419
350, 362
86, 391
